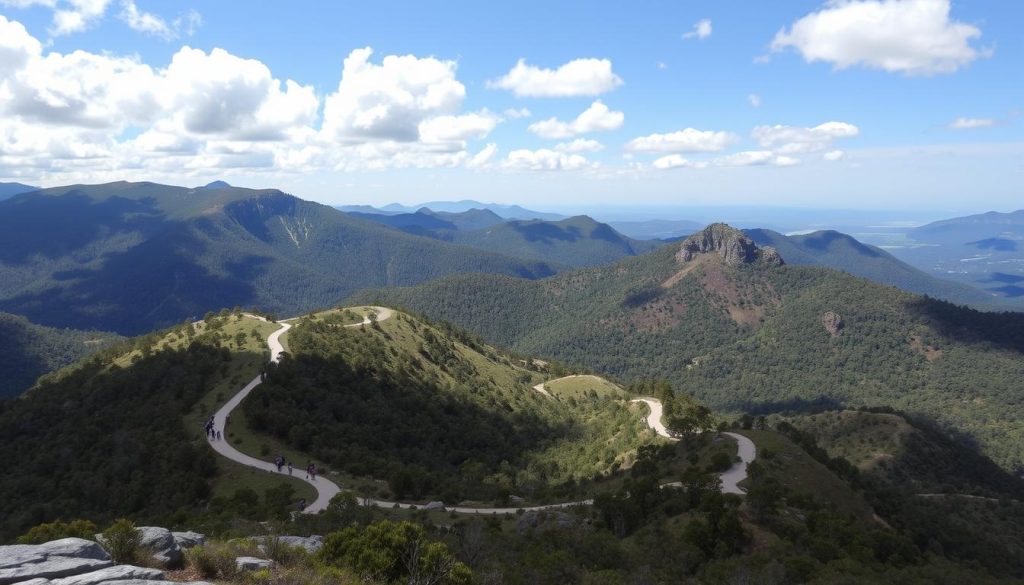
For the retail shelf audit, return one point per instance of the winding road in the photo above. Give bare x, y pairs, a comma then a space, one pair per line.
732, 476
327, 489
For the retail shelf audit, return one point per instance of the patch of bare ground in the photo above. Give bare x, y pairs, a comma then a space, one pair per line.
659, 314
688, 268
716, 279
930, 352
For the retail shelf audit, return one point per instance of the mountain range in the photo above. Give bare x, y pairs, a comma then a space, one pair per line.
504, 211
130, 257
746, 334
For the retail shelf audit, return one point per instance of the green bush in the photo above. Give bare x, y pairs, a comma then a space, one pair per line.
57, 530
122, 541
202, 560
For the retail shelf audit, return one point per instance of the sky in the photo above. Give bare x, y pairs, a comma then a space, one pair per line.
855, 104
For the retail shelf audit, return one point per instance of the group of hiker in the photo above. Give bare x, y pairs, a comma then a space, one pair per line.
280, 462
211, 430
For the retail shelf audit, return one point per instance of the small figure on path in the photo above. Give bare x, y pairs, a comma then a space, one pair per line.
312, 471
302, 504
289, 468
279, 462
218, 435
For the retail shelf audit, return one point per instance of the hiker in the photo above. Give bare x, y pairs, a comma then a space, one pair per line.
218, 435
302, 504
289, 468
312, 471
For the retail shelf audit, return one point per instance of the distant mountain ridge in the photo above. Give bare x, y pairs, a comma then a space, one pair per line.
833, 249
575, 241
502, 210
8, 190
130, 257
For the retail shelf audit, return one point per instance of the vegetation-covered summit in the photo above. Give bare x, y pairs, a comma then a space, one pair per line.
756, 337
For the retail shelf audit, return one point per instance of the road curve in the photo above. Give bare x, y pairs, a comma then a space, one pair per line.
731, 477
325, 488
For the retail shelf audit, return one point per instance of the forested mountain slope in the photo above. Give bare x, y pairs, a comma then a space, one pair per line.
575, 241
129, 257
833, 249
31, 350
743, 333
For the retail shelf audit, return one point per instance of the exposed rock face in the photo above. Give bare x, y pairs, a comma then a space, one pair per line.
59, 558
186, 540
728, 242
116, 573
160, 541
833, 323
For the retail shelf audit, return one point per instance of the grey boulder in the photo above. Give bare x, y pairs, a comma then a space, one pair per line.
55, 559
252, 563
115, 573
186, 540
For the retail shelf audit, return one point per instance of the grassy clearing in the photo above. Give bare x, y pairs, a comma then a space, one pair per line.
583, 387
862, 438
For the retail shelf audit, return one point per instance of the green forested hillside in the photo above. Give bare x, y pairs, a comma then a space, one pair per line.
757, 338
437, 413
31, 350
129, 257
832, 249
575, 241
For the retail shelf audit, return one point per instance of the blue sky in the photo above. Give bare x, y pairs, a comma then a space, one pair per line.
895, 104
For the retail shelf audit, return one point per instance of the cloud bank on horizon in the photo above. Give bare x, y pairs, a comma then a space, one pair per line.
95, 115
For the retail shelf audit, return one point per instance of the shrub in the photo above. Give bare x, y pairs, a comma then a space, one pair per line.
202, 560
57, 530
720, 462
122, 541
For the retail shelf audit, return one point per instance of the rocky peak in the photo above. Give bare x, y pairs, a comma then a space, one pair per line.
731, 244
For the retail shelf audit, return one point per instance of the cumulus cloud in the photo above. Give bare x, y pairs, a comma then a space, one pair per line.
86, 116
676, 161
69, 16
795, 139
754, 100
579, 77
580, 145
220, 94
597, 118
545, 160
145, 22
686, 140
389, 101
833, 155
701, 30
517, 113
969, 123
913, 37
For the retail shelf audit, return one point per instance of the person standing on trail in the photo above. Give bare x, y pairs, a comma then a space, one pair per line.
289, 468
312, 471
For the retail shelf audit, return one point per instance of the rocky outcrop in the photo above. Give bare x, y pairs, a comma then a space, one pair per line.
187, 540
159, 542
52, 560
832, 322
116, 573
731, 244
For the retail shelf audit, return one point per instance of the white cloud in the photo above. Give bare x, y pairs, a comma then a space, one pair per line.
676, 161
515, 114
580, 145
914, 37
746, 158
701, 30
687, 140
785, 161
145, 22
661, 65
969, 123
833, 155
227, 96
69, 16
579, 77
754, 100
596, 118
483, 158
389, 101
545, 160
457, 128
795, 139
